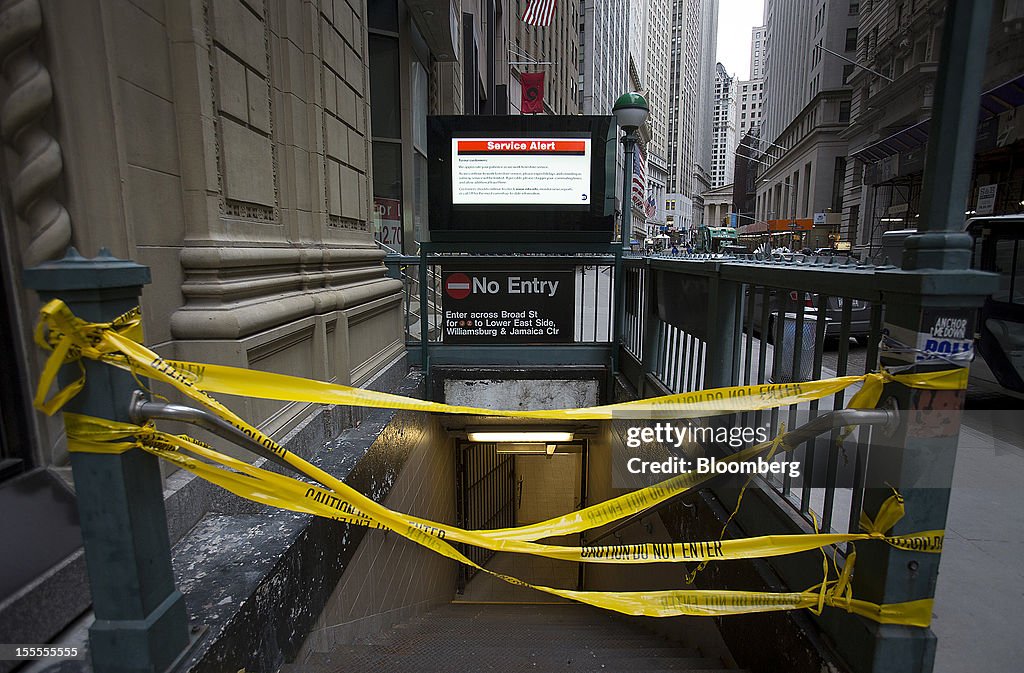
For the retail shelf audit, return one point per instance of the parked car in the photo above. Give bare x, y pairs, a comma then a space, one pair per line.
787, 301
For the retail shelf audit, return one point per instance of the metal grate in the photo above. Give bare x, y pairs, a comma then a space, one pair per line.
487, 497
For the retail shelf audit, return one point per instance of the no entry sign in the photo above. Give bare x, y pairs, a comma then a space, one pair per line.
457, 286
509, 306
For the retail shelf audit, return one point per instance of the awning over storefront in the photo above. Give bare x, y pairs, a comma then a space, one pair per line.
793, 224
994, 102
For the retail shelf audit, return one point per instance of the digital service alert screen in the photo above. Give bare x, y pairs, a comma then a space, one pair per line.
521, 171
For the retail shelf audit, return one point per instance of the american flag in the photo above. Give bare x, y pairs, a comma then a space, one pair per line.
651, 206
639, 179
539, 12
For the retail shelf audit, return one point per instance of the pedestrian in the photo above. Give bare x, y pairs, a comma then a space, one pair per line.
675, 250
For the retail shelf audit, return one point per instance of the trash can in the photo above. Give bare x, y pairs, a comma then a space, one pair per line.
787, 370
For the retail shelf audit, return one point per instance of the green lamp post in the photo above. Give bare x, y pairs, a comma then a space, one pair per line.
631, 111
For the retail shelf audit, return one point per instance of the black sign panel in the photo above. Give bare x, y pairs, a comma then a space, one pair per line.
508, 306
683, 302
494, 178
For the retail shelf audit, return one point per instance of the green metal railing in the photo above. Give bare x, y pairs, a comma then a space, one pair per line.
593, 306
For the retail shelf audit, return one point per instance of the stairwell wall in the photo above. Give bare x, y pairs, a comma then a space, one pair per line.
390, 578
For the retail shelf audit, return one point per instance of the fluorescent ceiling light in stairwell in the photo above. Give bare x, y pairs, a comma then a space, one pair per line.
520, 436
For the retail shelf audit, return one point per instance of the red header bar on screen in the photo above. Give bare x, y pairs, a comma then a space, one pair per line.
521, 146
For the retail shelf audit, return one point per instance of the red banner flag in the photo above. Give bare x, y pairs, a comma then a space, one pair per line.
533, 92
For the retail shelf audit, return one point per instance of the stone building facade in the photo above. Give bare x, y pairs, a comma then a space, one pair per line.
892, 104
723, 128
232, 147
225, 144
245, 151
691, 103
806, 107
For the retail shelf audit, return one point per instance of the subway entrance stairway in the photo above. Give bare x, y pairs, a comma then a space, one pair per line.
514, 638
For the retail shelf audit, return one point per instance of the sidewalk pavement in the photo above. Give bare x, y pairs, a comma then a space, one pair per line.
979, 618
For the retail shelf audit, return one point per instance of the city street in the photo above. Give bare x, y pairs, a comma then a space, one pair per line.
333, 328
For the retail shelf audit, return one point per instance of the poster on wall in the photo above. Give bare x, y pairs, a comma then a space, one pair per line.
387, 220
986, 200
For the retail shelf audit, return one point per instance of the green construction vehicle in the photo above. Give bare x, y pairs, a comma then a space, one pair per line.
712, 239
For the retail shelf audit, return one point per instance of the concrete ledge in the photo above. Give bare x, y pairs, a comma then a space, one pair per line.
259, 577
256, 577
188, 498
63, 592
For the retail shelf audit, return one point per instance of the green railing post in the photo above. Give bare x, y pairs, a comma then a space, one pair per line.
393, 263
424, 311
629, 140
934, 287
141, 625
651, 334
723, 297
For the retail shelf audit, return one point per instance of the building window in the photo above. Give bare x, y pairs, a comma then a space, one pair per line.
837, 184
851, 39
844, 112
854, 8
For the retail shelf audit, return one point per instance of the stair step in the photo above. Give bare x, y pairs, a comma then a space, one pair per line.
557, 638
512, 639
524, 631
600, 651
338, 668
505, 662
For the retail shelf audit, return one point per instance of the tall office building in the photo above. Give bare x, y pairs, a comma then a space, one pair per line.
750, 93
553, 49
749, 111
610, 66
653, 82
749, 105
806, 109
757, 41
604, 66
604, 56
723, 128
691, 95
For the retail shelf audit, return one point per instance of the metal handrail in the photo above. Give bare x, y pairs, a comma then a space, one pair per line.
141, 411
887, 418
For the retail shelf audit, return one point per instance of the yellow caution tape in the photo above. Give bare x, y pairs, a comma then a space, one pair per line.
105, 341
70, 339
98, 435
101, 436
